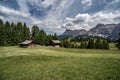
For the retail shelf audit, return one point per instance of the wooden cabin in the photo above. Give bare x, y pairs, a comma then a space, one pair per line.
26, 43
55, 43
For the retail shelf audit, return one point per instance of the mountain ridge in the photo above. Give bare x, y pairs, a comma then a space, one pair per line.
109, 31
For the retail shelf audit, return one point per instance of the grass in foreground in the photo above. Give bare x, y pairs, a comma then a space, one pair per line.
48, 63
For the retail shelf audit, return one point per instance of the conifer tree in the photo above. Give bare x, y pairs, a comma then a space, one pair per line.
35, 34
118, 42
83, 45
26, 32
6, 34
55, 37
43, 36
98, 44
47, 41
35, 31
1, 23
105, 45
90, 44
1, 32
19, 29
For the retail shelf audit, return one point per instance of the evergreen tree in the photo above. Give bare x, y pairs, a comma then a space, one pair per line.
26, 32
35, 31
105, 45
15, 38
6, 34
55, 37
36, 34
90, 44
2, 35
118, 42
66, 44
1, 23
98, 44
19, 29
42, 37
48, 39
72, 45
83, 45
1, 32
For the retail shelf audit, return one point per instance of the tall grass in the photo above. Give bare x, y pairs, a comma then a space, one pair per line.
58, 68
48, 63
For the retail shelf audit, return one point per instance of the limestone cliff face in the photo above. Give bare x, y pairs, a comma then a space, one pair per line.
109, 31
74, 32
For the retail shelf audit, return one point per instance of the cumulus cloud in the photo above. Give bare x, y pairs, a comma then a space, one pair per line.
15, 15
87, 21
79, 22
54, 17
10, 12
81, 18
105, 17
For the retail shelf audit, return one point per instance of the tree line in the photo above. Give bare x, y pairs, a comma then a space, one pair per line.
12, 34
86, 43
118, 42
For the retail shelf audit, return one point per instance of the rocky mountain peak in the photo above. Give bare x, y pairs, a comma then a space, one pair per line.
103, 30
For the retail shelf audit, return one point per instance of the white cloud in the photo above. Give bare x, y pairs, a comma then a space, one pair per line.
79, 22
15, 15
105, 17
1, 17
81, 18
55, 16
113, 5
87, 21
47, 3
86, 4
23, 6
38, 3
10, 12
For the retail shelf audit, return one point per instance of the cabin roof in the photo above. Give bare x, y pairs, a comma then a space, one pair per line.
26, 42
56, 41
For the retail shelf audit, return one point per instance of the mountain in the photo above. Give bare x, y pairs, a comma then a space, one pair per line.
75, 32
115, 32
71, 33
102, 29
109, 31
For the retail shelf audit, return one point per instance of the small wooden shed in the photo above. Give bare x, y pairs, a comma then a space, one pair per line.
55, 43
26, 43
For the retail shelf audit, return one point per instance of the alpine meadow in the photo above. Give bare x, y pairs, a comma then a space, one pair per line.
59, 39
49, 63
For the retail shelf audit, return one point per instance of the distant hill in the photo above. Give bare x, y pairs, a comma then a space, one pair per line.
109, 31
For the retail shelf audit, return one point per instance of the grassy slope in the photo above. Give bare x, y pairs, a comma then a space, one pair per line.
48, 63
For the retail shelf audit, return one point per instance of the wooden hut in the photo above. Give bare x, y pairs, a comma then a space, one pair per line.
26, 43
55, 43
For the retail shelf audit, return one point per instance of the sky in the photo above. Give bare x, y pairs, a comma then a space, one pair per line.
55, 16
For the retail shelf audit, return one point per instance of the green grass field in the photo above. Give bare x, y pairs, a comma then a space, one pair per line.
49, 63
